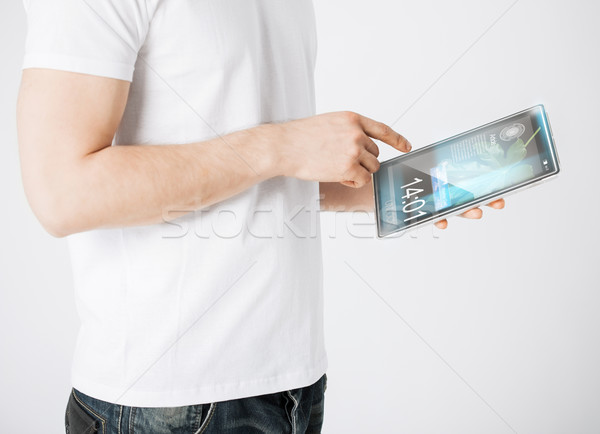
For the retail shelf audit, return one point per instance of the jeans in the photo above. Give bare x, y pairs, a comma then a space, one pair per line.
293, 411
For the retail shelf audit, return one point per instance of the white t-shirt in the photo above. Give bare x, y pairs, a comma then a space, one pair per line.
222, 303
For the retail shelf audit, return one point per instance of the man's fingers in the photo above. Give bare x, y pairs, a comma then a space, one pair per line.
372, 147
477, 213
358, 177
497, 204
381, 131
369, 162
473, 213
442, 224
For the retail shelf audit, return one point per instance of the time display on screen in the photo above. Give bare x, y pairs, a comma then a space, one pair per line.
411, 204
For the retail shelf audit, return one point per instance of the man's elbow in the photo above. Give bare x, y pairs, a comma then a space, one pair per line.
53, 211
55, 226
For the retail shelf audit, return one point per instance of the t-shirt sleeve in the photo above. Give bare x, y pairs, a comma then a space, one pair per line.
98, 37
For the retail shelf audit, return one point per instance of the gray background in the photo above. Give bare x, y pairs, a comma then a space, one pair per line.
489, 325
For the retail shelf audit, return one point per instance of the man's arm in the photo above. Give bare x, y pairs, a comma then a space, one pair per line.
76, 181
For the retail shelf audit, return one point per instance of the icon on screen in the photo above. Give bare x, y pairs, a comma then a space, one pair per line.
512, 132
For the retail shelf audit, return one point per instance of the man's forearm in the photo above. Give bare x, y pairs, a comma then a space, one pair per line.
338, 197
146, 184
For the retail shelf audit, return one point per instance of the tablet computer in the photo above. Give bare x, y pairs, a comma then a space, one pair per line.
464, 171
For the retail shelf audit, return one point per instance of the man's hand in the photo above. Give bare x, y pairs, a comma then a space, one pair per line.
473, 213
334, 147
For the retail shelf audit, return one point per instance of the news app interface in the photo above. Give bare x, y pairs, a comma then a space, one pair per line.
462, 169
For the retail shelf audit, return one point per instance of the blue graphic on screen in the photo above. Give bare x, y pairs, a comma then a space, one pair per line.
460, 170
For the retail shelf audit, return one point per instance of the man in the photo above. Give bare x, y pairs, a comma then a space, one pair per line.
175, 143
